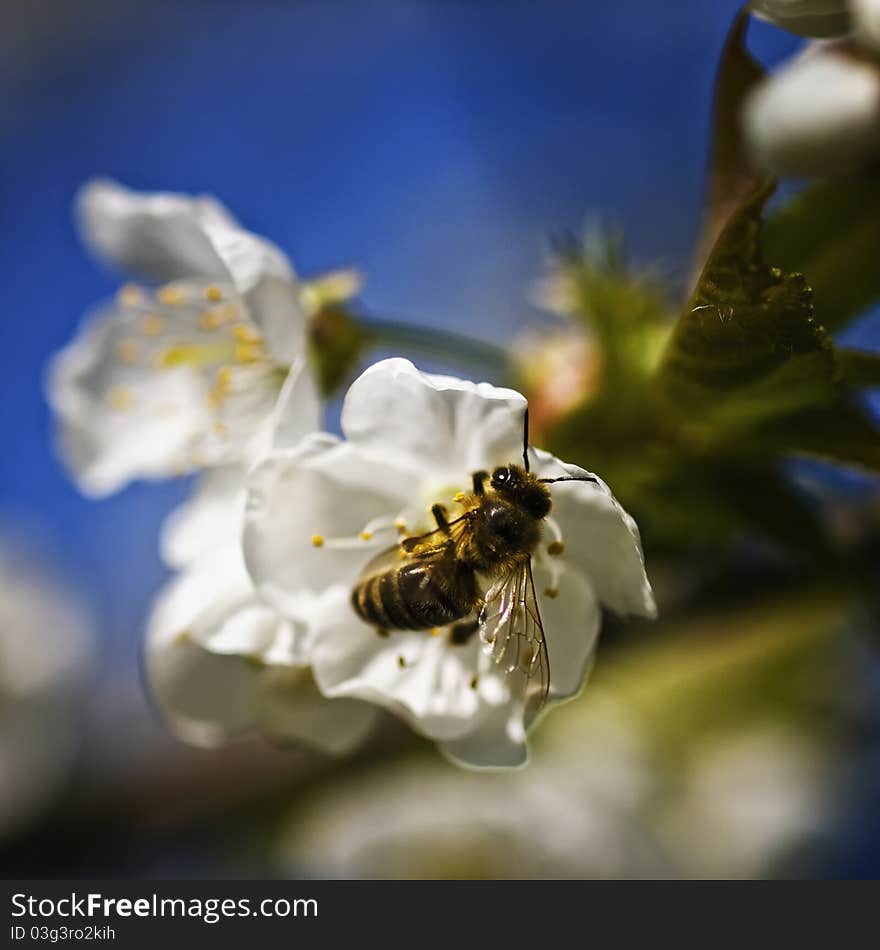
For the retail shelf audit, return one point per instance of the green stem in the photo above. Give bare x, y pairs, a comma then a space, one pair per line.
488, 359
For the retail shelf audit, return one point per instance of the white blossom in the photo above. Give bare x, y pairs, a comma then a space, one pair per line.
805, 17
166, 380
817, 115
45, 662
318, 512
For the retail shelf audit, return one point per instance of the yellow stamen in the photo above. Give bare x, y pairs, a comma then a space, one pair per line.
366, 535
458, 497
170, 296
555, 548
220, 428
182, 638
130, 295
128, 351
120, 398
317, 540
401, 661
248, 352
213, 293
153, 324
220, 390
400, 524
435, 631
246, 334
475, 682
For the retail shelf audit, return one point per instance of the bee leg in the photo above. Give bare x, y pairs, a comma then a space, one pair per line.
439, 513
479, 482
460, 633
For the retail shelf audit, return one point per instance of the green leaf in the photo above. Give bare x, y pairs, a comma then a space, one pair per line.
831, 233
731, 177
844, 433
858, 367
746, 347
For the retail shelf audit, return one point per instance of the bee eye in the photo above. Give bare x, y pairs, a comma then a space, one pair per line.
501, 477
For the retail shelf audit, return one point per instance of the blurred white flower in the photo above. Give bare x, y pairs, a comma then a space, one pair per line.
161, 382
866, 22
806, 17
578, 811
748, 799
45, 661
818, 115
317, 513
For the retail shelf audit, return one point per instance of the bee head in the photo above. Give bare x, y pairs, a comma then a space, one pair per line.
522, 488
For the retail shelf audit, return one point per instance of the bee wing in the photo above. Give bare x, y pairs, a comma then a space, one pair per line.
513, 635
423, 547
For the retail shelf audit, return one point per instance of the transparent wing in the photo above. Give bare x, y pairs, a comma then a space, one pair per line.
422, 547
513, 635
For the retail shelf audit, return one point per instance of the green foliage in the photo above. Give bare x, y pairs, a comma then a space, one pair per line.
731, 177
831, 233
746, 347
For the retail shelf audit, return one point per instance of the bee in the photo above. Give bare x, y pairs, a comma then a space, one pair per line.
473, 573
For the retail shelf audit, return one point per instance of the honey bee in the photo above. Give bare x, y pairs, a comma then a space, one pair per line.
474, 574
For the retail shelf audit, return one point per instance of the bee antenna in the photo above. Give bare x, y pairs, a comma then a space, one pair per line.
526, 439
570, 478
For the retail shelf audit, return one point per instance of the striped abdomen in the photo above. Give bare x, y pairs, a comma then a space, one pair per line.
417, 595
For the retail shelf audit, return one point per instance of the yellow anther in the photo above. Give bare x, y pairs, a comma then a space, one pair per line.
382, 632
555, 548
182, 638
220, 428
458, 497
120, 398
400, 524
170, 296
220, 390
366, 535
401, 661
213, 293
551, 592
436, 631
153, 324
128, 351
245, 333
130, 295
317, 540
248, 352
211, 319
475, 682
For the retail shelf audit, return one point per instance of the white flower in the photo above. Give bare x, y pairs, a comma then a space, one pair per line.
806, 17
317, 513
45, 660
162, 382
818, 115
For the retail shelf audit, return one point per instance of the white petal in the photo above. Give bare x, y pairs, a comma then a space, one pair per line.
160, 235
818, 115
214, 603
497, 741
571, 625
210, 518
439, 422
805, 17
138, 393
164, 236
601, 540
866, 17
323, 490
291, 709
298, 410
422, 678
206, 697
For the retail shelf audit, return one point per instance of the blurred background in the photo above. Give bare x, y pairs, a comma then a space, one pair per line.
437, 147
